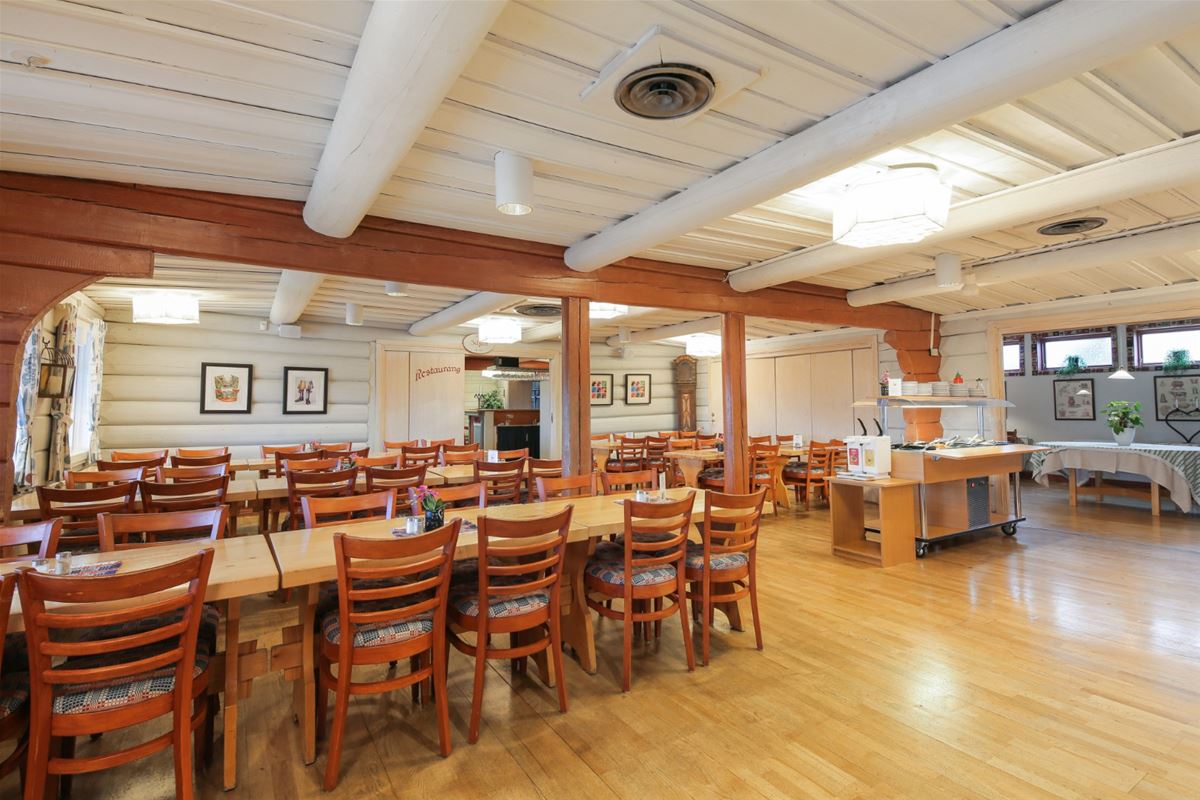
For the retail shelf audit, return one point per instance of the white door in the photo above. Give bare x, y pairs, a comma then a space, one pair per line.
760, 396
793, 396
832, 395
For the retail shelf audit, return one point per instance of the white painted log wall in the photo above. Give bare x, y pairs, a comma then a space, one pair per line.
660, 413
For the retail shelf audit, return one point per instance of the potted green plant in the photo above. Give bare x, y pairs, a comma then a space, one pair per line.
1176, 361
433, 506
1072, 365
493, 399
1124, 418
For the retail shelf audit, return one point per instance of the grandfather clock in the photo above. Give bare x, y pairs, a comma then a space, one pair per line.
685, 392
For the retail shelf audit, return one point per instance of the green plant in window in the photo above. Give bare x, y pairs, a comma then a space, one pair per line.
1122, 414
1072, 365
492, 399
1177, 361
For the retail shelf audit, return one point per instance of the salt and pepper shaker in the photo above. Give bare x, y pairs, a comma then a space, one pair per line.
662, 485
62, 563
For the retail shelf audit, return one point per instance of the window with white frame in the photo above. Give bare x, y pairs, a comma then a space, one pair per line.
1013, 353
1097, 348
81, 406
1153, 343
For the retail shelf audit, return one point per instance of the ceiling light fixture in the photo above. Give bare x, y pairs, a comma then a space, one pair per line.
606, 310
702, 345
901, 205
1121, 374
166, 308
947, 269
395, 289
514, 184
498, 330
354, 314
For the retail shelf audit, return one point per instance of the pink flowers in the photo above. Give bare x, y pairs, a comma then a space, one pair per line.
428, 499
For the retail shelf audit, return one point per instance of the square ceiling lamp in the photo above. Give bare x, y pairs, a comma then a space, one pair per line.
901, 205
606, 310
166, 308
703, 345
498, 330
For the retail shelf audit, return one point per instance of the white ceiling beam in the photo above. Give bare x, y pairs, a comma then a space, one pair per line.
553, 330
667, 331
293, 293
465, 310
1184, 296
1081, 255
1058, 43
1154, 169
775, 344
409, 56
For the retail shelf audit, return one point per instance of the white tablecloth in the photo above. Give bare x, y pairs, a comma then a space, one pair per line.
1175, 467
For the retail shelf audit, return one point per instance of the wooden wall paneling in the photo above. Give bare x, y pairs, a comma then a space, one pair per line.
832, 395
733, 378
436, 395
793, 396
575, 413
393, 396
760, 396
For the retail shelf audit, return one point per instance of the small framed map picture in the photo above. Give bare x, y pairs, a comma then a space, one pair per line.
1073, 399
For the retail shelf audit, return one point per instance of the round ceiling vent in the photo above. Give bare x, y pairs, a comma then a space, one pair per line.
665, 91
1067, 227
539, 310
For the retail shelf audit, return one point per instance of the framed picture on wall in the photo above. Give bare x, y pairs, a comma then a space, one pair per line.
226, 388
637, 389
602, 390
1176, 391
1073, 399
305, 390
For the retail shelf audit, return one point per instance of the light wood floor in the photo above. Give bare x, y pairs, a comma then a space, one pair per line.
1062, 663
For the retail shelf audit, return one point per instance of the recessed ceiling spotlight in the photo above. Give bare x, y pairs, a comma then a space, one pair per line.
665, 91
1068, 227
395, 289
539, 310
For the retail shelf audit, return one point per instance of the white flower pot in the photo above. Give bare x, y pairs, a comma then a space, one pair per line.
1125, 437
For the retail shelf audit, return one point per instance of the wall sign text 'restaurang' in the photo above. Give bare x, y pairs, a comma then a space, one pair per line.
425, 373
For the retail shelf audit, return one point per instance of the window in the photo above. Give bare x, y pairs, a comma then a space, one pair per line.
1013, 352
81, 406
1096, 348
1151, 345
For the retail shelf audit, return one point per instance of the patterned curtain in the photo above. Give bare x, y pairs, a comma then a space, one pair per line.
97, 375
60, 408
23, 463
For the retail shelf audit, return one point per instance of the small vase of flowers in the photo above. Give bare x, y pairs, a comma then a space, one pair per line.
1124, 418
433, 506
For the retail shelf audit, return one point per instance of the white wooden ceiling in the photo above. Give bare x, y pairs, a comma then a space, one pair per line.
237, 96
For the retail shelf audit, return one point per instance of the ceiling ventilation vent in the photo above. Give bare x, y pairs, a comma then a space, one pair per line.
665, 91
1068, 227
539, 310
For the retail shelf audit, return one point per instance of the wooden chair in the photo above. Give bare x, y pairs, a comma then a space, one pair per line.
395, 605
765, 466
284, 457
400, 478
312, 465
331, 483
656, 459
668, 435
458, 450
628, 456
469, 457
724, 559
200, 461
336, 446
77, 508
183, 474
810, 476
14, 686
512, 455
645, 570
440, 443
541, 467
79, 479
704, 442
601, 437
517, 582
163, 527
42, 537
570, 486
463, 495
501, 481
759, 440
148, 464
183, 496
399, 445
269, 450
203, 453
615, 482
687, 443
391, 461
329, 452
143, 455
418, 456
322, 511
146, 660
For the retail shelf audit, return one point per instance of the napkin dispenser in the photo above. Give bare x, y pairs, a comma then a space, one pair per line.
869, 455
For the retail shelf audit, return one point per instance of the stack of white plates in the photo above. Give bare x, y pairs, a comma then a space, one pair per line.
941, 388
925, 389
959, 390
909, 388
976, 392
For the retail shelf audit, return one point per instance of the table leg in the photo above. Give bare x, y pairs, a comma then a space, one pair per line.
233, 617
1072, 488
1155, 498
690, 467
304, 690
577, 630
1099, 486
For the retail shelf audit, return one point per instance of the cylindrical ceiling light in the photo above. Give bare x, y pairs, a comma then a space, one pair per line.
970, 285
901, 205
498, 330
606, 310
947, 268
395, 289
703, 345
514, 184
166, 308
354, 314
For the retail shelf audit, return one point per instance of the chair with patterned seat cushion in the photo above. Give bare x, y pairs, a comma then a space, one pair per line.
14, 685
419, 456
131, 531
809, 477
648, 576
569, 486
628, 456
501, 480
35, 540
322, 511
392, 596
183, 495
77, 508
765, 467
721, 567
519, 574
115, 651
541, 468
316, 483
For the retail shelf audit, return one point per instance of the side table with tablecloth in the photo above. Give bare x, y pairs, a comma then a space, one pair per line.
1171, 466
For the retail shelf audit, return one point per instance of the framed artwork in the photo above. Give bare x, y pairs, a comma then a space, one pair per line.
602, 389
1176, 391
305, 390
1074, 399
637, 389
225, 388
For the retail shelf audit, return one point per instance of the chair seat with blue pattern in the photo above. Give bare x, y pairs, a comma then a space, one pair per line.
613, 573
717, 562
466, 604
14, 693
377, 634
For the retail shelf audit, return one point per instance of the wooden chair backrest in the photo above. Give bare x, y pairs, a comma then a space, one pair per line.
78, 509
43, 536
207, 452
391, 461
501, 480
731, 523
820, 455
342, 446
182, 474
668, 435
838, 457
418, 456
329, 452
162, 527
333, 483
399, 445
760, 440
183, 495
682, 444
439, 443
706, 441
656, 534
544, 467
616, 482
398, 478
630, 449
513, 455
322, 511
601, 437
283, 458
78, 479
57, 608
570, 486
141, 455
656, 446
269, 450
313, 465
148, 464
463, 495
414, 572
473, 447
449, 457
8, 583
764, 454
200, 461
517, 557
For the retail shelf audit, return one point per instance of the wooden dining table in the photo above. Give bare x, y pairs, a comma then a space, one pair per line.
242, 566
241, 493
